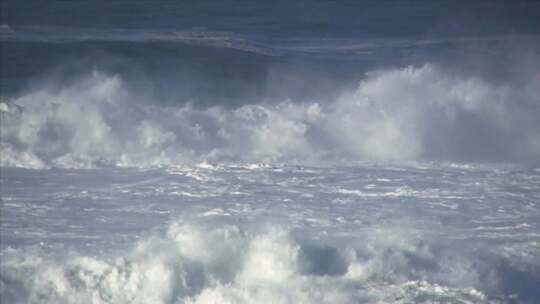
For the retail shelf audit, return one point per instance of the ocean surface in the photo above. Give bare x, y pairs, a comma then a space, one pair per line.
270, 152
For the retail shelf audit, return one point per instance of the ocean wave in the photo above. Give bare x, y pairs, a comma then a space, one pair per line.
201, 263
269, 46
411, 113
55, 34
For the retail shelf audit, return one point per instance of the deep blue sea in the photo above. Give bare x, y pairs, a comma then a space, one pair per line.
270, 151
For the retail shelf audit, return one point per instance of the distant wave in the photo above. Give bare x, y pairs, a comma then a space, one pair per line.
230, 40
411, 113
55, 34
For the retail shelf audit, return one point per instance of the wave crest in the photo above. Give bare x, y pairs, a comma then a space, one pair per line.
198, 264
413, 113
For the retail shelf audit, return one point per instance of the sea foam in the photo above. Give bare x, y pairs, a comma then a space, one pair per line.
195, 263
411, 113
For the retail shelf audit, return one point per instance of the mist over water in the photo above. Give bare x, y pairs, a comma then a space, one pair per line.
269, 152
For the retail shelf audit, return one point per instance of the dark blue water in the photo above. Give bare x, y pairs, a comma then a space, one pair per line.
286, 19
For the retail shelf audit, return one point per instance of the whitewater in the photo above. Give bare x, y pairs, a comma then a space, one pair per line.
105, 200
411, 113
260, 233
206, 153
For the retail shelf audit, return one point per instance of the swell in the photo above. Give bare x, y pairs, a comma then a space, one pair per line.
52, 35
357, 46
231, 69
176, 72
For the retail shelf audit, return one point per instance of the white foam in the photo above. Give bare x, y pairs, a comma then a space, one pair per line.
229, 264
413, 113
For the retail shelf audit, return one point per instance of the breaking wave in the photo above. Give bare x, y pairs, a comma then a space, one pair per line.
194, 263
411, 113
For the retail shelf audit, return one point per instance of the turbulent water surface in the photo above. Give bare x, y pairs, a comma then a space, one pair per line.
270, 152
